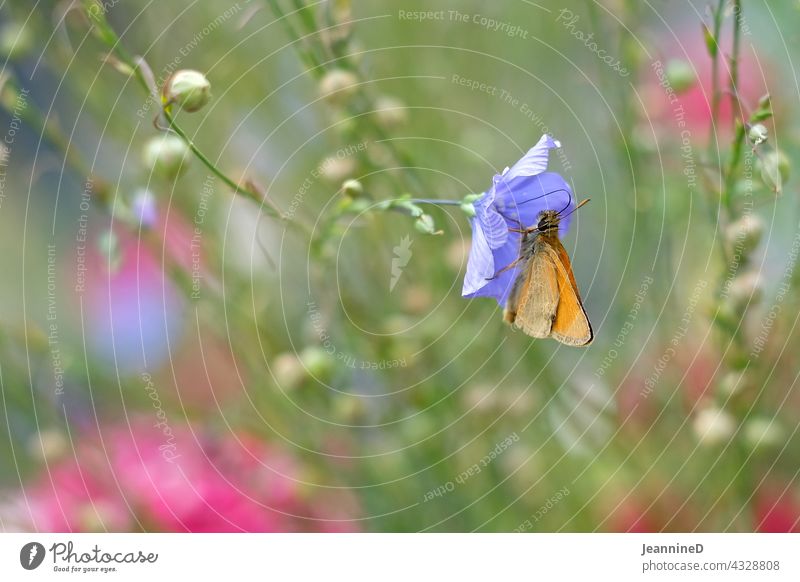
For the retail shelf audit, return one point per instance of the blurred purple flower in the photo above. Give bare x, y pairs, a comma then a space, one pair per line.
144, 208
516, 197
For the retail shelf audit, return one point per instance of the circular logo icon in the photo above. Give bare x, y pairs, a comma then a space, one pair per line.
31, 555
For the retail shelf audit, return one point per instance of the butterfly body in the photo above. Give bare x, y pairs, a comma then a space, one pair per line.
544, 301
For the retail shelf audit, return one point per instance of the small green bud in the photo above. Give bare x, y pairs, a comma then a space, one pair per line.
167, 155
775, 170
188, 89
468, 204
732, 383
353, 189
763, 432
758, 134
680, 75
338, 86
16, 40
411, 208
468, 208
317, 362
764, 110
425, 225
108, 245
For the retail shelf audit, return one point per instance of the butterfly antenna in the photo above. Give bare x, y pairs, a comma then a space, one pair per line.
584, 201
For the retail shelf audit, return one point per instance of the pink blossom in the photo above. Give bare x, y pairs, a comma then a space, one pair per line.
163, 478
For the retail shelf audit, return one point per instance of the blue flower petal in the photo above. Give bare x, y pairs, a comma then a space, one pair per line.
535, 161
480, 265
498, 287
495, 229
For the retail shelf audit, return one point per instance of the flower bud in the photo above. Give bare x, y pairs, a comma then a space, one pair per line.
288, 371
775, 169
744, 234
467, 204
713, 426
16, 40
763, 432
745, 290
680, 75
145, 211
425, 225
108, 245
353, 189
317, 362
188, 89
167, 155
731, 384
758, 134
390, 112
338, 86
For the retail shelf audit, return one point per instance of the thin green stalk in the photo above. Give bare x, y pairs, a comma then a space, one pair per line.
738, 143
435, 202
716, 93
312, 63
208, 163
107, 35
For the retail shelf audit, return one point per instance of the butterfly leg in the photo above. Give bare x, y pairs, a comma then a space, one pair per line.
504, 269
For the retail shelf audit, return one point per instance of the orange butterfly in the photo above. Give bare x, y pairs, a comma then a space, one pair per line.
544, 301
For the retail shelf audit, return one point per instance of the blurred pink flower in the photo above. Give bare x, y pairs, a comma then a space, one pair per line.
777, 509
694, 105
158, 478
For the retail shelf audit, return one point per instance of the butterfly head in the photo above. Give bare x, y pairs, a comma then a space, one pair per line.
548, 221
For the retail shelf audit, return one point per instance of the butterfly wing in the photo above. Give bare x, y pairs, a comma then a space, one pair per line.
535, 298
571, 325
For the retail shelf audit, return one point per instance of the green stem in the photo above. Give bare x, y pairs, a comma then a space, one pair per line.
435, 202
738, 143
716, 93
307, 55
110, 38
237, 188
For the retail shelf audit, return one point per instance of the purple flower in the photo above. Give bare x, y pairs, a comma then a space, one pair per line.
145, 209
516, 197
